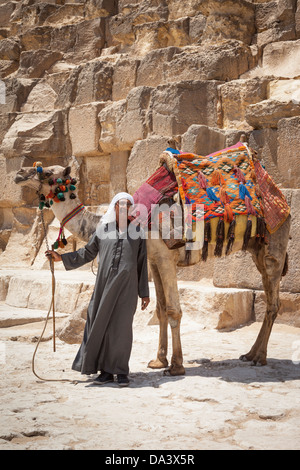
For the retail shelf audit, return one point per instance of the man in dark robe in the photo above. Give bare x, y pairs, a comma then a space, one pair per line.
122, 276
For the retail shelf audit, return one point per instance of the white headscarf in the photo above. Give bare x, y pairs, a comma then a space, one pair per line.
110, 214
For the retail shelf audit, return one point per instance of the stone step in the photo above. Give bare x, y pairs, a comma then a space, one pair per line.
15, 316
26, 294
31, 291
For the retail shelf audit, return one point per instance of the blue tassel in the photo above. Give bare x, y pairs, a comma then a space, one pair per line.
212, 195
243, 192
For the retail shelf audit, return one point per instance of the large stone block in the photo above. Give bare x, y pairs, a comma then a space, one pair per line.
282, 59
288, 151
224, 61
236, 95
177, 106
37, 134
145, 154
33, 64
267, 113
229, 19
84, 129
86, 83
203, 140
126, 121
41, 98
94, 188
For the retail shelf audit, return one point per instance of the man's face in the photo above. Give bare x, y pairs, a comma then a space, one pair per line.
123, 209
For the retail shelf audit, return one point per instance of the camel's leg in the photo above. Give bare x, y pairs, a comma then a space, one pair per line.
270, 262
161, 360
163, 266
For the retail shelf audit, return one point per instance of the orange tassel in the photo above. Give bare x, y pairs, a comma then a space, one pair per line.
217, 178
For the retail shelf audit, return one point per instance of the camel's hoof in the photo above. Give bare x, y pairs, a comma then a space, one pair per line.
255, 360
174, 370
158, 364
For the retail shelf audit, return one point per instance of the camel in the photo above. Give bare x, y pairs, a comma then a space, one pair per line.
270, 260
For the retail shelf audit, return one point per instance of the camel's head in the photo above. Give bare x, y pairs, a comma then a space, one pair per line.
52, 182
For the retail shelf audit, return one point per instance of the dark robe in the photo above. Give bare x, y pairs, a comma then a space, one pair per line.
122, 276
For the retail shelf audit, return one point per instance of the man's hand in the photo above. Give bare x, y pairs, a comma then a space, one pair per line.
145, 302
55, 256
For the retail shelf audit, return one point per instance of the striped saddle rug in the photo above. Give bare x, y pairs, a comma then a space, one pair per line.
224, 184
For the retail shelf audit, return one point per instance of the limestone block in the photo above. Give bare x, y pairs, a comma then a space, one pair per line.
41, 98
36, 134
288, 153
8, 67
155, 35
275, 21
224, 61
10, 49
16, 93
282, 59
264, 141
177, 106
94, 188
11, 194
125, 121
267, 113
86, 83
179, 9
84, 129
236, 95
289, 308
69, 13
284, 90
124, 77
297, 20
33, 64
145, 154
203, 140
6, 11
77, 42
118, 166
108, 118
102, 8
217, 308
229, 19
26, 238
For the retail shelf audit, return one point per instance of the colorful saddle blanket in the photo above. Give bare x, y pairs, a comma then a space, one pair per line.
228, 183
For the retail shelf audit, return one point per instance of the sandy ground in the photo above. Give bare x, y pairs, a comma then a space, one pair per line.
221, 402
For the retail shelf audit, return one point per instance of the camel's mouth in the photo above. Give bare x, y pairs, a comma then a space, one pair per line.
23, 176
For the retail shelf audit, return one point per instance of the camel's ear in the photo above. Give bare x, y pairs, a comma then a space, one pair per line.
67, 171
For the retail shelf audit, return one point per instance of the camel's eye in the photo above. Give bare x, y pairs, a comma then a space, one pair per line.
48, 173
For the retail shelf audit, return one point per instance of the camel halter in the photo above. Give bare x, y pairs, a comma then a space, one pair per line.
52, 304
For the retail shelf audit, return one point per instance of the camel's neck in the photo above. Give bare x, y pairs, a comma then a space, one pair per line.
83, 224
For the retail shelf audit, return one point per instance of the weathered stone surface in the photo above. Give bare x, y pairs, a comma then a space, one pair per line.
41, 98
36, 134
281, 59
288, 156
176, 107
275, 21
84, 129
89, 82
33, 64
224, 61
267, 113
145, 154
10, 49
126, 121
229, 19
203, 140
95, 178
236, 95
